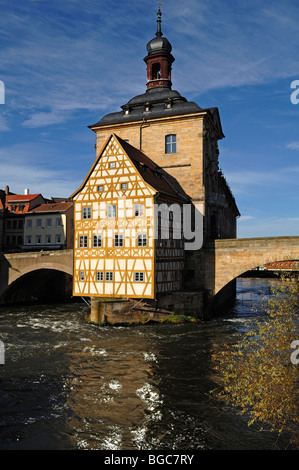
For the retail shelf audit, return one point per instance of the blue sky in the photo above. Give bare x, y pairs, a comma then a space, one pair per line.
67, 63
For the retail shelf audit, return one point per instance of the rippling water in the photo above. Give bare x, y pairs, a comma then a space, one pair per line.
69, 385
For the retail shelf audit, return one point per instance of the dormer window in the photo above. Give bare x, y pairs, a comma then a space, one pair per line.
168, 104
147, 107
126, 110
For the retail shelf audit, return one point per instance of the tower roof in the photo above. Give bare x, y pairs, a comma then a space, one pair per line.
159, 44
159, 100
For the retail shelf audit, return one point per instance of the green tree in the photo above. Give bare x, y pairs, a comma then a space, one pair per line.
258, 375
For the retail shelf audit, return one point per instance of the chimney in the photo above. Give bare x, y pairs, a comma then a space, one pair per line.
26, 192
7, 190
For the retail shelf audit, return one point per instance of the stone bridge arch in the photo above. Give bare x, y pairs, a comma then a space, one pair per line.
15, 266
225, 260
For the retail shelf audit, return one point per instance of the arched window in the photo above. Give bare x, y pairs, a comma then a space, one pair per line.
170, 143
156, 71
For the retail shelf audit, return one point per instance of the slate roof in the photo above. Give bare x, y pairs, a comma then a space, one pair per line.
154, 175
156, 99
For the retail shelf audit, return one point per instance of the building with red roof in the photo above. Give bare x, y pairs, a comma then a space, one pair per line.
49, 226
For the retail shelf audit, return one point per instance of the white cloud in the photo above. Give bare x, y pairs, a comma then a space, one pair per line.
31, 166
97, 63
245, 218
4, 127
241, 181
293, 145
269, 227
42, 119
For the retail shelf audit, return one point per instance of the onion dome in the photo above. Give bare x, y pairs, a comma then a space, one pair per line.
159, 43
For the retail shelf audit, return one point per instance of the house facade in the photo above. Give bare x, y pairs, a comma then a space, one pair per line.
119, 251
16, 208
49, 227
30, 222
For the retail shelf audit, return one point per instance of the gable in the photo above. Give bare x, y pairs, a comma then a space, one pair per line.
110, 170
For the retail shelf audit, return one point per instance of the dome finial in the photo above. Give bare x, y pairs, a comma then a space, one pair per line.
159, 21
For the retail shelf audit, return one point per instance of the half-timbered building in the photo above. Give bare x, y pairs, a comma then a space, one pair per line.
121, 247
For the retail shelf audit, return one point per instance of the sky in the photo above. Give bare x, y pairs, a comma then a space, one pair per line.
65, 64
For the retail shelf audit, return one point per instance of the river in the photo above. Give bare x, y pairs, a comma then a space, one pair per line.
69, 385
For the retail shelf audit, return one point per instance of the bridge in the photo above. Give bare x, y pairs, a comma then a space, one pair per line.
37, 271
224, 261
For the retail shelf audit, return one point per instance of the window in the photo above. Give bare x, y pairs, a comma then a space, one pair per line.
118, 240
58, 238
100, 276
48, 239
29, 223
49, 223
139, 276
86, 212
38, 239
111, 212
81, 275
28, 240
58, 222
97, 241
142, 239
156, 73
39, 223
112, 165
170, 143
20, 223
124, 186
83, 241
100, 188
109, 276
138, 210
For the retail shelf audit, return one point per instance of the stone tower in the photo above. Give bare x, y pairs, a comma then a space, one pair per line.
182, 138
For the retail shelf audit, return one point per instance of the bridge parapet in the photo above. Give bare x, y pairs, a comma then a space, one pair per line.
227, 259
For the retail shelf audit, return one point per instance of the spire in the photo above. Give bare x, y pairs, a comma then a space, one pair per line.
159, 21
159, 59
